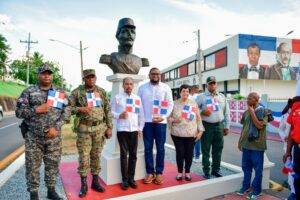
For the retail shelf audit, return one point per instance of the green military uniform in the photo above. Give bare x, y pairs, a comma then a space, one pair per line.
38, 147
90, 129
214, 125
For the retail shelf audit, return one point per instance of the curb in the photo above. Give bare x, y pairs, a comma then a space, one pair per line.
11, 157
11, 169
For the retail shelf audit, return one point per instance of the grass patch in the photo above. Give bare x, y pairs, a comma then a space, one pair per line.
68, 140
10, 89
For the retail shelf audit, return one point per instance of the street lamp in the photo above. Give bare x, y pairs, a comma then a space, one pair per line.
80, 49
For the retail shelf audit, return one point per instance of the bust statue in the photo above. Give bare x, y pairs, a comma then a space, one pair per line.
124, 61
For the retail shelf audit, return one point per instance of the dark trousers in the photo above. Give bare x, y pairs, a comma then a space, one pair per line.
128, 142
252, 159
296, 157
154, 132
212, 138
184, 152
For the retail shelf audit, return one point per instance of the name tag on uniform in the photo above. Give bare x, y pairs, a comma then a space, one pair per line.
93, 99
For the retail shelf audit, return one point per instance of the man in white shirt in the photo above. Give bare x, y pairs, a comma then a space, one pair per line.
158, 103
127, 109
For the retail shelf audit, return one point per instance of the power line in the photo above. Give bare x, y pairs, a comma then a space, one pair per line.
28, 42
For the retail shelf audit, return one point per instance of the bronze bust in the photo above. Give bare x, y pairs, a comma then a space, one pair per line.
124, 61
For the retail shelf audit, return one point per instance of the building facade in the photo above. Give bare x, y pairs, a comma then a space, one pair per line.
242, 64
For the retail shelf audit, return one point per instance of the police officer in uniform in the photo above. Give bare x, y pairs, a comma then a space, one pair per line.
93, 122
215, 116
43, 132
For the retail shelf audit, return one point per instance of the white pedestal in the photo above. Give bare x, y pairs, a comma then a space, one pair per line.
110, 161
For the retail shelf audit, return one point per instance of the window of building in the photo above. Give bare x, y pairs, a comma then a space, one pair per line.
167, 76
172, 74
216, 59
183, 71
191, 68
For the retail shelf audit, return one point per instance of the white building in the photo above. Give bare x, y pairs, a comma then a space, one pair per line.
225, 59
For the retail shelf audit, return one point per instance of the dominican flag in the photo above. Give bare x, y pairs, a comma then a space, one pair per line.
160, 107
189, 112
213, 104
93, 99
56, 99
133, 105
268, 47
277, 118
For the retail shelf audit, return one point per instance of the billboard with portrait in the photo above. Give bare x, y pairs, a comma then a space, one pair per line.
262, 57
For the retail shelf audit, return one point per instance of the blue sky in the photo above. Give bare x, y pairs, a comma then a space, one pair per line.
162, 26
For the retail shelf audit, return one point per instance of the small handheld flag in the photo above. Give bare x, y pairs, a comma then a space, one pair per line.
93, 99
56, 99
160, 107
133, 105
213, 104
189, 112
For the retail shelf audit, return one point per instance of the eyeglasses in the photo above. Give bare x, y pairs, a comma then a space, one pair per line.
155, 74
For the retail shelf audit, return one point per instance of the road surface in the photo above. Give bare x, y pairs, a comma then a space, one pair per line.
10, 136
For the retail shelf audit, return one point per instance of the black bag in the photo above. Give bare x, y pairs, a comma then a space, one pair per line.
24, 128
270, 115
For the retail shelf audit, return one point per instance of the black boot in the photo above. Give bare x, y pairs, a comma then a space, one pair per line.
84, 187
96, 185
51, 194
34, 196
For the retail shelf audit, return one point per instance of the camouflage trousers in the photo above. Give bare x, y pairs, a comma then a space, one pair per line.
89, 145
38, 149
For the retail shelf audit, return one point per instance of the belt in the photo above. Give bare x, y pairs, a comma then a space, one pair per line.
216, 123
90, 123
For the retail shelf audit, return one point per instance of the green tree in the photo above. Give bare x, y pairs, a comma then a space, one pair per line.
4, 50
19, 69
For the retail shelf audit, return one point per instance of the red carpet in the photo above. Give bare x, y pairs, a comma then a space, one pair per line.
71, 182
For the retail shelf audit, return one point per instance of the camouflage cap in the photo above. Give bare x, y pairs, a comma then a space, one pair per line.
125, 22
88, 72
45, 67
211, 79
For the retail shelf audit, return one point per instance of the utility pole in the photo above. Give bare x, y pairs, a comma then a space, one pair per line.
81, 60
29, 42
199, 59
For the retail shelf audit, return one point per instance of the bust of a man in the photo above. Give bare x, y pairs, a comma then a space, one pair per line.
124, 61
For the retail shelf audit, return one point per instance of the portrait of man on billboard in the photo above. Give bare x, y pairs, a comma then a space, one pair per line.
252, 70
282, 69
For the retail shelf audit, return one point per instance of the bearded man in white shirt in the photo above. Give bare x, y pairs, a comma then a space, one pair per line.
127, 109
158, 103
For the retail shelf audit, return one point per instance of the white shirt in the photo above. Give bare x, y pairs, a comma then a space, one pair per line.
253, 74
135, 121
149, 92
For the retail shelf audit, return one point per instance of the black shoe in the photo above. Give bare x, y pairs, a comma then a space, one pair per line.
188, 177
51, 194
132, 184
217, 174
124, 185
83, 188
96, 185
207, 175
34, 196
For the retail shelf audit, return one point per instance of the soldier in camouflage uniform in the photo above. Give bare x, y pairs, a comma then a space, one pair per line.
43, 135
93, 122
